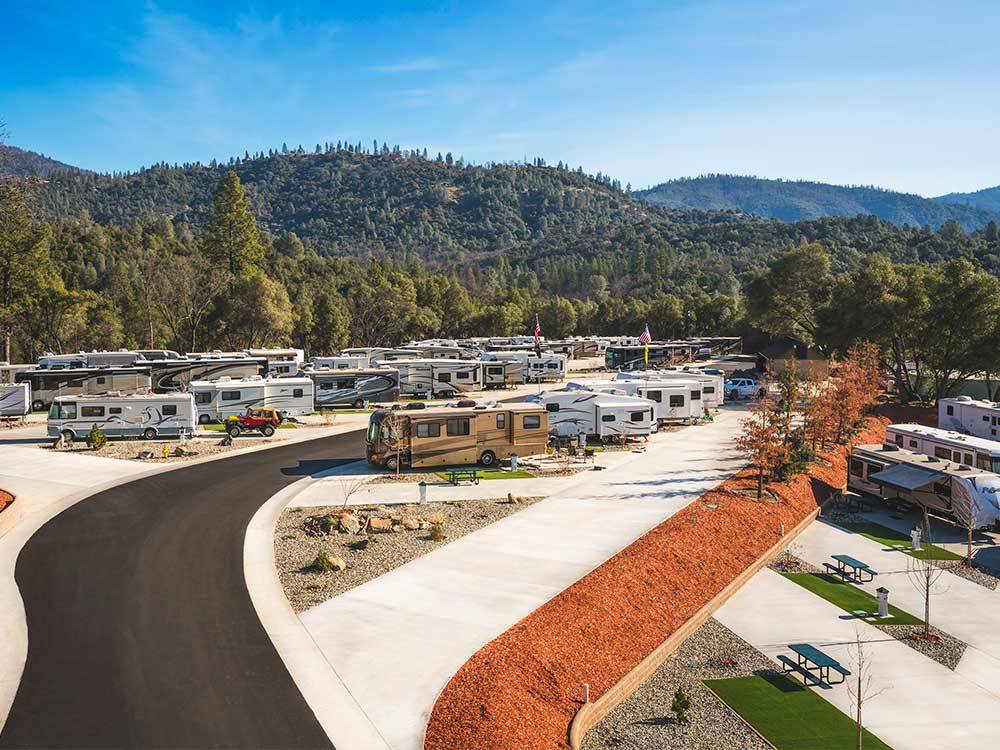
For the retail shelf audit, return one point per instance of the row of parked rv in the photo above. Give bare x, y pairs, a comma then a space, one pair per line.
952, 470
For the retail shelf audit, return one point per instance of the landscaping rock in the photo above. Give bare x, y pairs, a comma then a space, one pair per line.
144, 455
380, 525
411, 524
338, 563
349, 524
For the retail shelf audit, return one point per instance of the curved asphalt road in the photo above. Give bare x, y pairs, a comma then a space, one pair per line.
141, 631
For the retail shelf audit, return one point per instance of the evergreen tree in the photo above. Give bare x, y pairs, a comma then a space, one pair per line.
231, 236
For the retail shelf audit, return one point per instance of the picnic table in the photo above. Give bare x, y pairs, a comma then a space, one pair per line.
463, 475
852, 568
811, 662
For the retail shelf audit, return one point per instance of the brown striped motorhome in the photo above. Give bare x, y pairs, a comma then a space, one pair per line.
455, 435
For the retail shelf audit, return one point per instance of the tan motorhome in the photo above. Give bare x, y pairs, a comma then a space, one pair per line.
455, 435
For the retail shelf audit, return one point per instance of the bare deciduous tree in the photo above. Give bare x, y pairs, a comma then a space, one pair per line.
925, 573
860, 689
967, 509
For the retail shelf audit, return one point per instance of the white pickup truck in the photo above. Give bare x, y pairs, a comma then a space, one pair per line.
737, 388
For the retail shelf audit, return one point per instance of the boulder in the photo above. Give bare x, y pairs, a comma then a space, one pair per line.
145, 455
349, 524
338, 563
411, 524
380, 525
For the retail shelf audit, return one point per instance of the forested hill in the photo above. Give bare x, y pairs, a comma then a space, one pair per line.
794, 200
988, 198
18, 162
346, 203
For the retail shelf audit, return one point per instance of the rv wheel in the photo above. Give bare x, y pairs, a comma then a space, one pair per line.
37, 405
149, 433
734, 396
358, 403
488, 458
391, 463
267, 430
204, 419
67, 436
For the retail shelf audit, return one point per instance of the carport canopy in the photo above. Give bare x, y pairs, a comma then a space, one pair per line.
906, 477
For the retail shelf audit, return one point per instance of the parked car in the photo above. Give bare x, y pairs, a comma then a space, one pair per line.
737, 388
262, 419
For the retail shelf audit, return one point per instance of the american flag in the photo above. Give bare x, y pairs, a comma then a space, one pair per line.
538, 333
645, 337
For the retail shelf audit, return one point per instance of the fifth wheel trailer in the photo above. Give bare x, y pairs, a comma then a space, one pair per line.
229, 397
674, 400
354, 387
969, 416
47, 383
438, 378
607, 416
15, 400
951, 446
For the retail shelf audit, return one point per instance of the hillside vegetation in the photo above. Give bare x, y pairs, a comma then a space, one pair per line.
987, 199
795, 200
18, 162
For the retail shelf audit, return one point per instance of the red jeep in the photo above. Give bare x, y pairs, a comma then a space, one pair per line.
262, 419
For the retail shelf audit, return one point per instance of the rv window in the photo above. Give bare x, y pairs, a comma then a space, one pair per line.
607, 417
91, 411
170, 410
942, 453
114, 410
494, 371
553, 365
899, 440
101, 380
347, 383
677, 400
62, 411
968, 459
230, 395
913, 443
656, 396
444, 377
532, 422
552, 407
463, 375
708, 389
857, 468
956, 457
637, 416
501, 421
296, 393
429, 429
696, 395
203, 397
986, 419
983, 462
325, 385
951, 410
458, 426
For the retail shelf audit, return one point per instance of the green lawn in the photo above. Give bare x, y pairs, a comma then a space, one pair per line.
848, 597
492, 473
789, 715
889, 537
216, 427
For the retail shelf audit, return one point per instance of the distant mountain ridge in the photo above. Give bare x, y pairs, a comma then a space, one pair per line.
19, 162
790, 200
987, 199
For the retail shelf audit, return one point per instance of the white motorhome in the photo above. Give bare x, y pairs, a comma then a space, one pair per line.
969, 416
502, 373
148, 416
712, 386
438, 378
606, 416
950, 446
15, 400
338, 363
676, 401
228, 397
547, 368
902, 476
47, 383
354, 387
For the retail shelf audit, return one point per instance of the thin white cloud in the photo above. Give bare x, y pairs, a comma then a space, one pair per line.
417, 65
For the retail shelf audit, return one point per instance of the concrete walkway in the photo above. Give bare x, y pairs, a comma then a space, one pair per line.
923, 705
959, 607
394, 642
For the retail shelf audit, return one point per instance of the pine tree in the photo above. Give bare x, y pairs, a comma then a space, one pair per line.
232, 236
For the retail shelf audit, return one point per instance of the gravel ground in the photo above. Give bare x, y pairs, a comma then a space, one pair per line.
789, 563
295, 550
948, 651
406, 476
645, 721
130, 449
982, 576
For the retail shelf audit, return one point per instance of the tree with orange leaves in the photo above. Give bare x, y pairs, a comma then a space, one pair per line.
763, 439
856, 384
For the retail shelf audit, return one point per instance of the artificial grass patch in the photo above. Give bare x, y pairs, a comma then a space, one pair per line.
492, 474
848, 597
890, 537
791, 716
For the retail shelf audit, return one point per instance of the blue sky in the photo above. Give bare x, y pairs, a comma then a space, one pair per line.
899, 94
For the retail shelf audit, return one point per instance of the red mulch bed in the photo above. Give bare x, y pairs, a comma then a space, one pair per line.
5, 499
521, 691
900, 414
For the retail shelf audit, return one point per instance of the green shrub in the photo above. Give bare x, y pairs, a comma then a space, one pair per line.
96, 439
680, 706
323, 562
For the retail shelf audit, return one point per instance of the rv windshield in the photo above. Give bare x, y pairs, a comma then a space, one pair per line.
373, 425
66, 410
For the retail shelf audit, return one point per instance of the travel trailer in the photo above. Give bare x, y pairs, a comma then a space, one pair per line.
149, 416
63, 361
174, 374
606, 416
15, 400
502, 373
338, 363
969, 416
48, 383
438, 378
547, 368
712, 386
298, 356
634, 357
354, 387
951, 446
675, 401
904, 477
453, 435
8, 372
229, 397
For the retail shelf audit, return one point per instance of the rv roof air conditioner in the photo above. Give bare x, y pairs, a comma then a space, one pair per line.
416, 405
964, 399
890, 447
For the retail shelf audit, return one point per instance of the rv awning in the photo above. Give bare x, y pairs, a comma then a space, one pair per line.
905, 477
